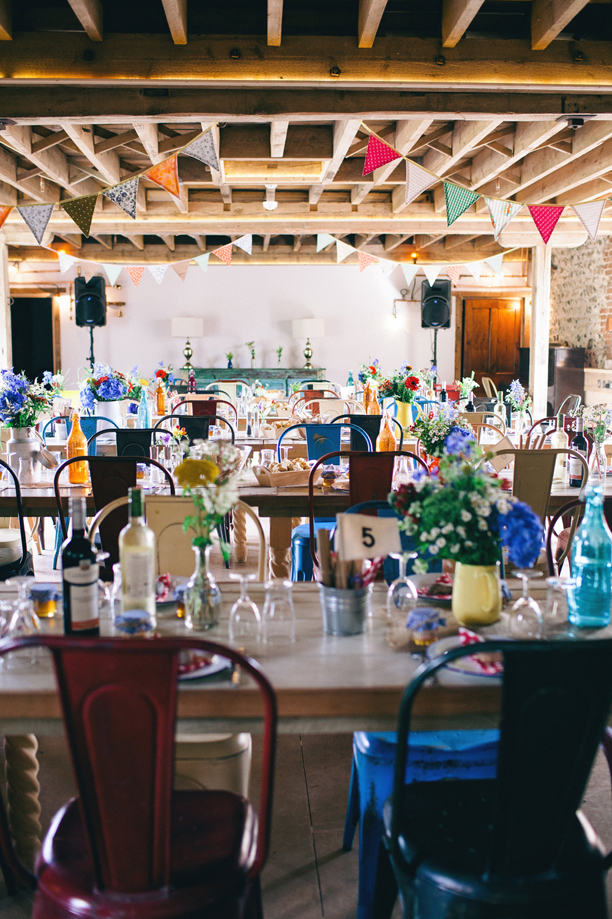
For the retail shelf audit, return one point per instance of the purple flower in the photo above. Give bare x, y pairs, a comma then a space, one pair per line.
47, 377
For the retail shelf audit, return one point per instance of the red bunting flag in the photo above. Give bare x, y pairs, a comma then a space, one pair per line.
4, 212
135, 272
365, 259
545, 217
224, 253
378, 154
165, 175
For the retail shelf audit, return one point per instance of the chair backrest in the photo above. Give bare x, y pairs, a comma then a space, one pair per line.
328, 406
322, 438
18, 565
118, 699
89, 424
203, 405
556, 698
575, 508
316, 384
569, 404
129, 441
479, 427
196, 427
484, 418
489, 387
310, 398
358, 441
533, 474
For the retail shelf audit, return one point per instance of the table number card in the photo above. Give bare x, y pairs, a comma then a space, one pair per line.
361, 536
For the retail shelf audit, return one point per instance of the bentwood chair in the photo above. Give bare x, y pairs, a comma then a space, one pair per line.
565, 538
516, 845
130, 845
570, 404
490, 418
533, 474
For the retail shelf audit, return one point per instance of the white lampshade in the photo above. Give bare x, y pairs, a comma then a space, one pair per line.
188, 327
308, 328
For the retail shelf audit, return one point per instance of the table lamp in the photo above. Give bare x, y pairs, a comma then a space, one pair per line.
188, 327
308, 328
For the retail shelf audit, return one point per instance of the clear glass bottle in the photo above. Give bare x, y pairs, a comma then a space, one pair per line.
558, 440
202, 597
144, 410
78, 473
79, 576
590, 596
137, 558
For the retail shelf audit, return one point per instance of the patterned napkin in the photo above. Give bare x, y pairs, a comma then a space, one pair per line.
467, 637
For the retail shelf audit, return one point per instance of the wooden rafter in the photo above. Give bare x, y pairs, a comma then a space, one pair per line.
169, 241
117, 140
344, 132
107, 163
53, 162
149, 138
456, 18
89, 14
275, 22
176, 16
6, 21
370, 14
549, 18
45, 142
278, 138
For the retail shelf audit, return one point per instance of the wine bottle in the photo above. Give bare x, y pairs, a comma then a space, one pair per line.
579, 445
443, 394
76, 445
79, 576
559, 439
137, 557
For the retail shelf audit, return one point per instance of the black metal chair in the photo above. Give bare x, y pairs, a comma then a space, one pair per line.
196, 426
130, 441
18, 565
517, 846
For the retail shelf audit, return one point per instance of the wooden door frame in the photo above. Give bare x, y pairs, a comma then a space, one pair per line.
460, 321
29, 293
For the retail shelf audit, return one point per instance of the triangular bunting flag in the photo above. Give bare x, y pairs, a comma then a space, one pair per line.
158, 272
112, 272
81, 210
365, 259
89, 269
475, 269
417, 181
4, 212
324, 240
165, 174
224, 253
203, 149
410, 271
495, 262
65, 261
202, 261
124, 196
387, 266
545, 217
431, 272
135, 272
245, 243
37, 217
458, 200
181, 268
378, 154
454, 272
588, 214
342, 251
501, 213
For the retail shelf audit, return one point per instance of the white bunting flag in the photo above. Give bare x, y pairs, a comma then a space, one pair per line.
409, 272
203, 149
158, 272
475, 269
387, 266
324, 240
202, 261
495, 262
124, 196
417, 181
89, 269
431, 272
501, 213
37, 217
342, 251
112, 272
589, 215
65, 261
245, 243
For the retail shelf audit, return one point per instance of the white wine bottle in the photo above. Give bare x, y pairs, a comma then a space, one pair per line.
559, 439
137, 557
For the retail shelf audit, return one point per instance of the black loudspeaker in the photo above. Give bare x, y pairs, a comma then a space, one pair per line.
90, 301
436, 305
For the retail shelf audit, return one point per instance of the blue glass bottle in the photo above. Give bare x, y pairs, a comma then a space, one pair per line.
144, 411
589, 601
350, 381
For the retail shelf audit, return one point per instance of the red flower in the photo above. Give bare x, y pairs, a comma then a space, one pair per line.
130, 387
372, 369
412, 383
100, 380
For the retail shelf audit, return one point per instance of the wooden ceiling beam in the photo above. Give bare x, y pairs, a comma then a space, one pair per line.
89, 14
107, 163
8, 194
169, 241
370, 14
452, 241
466, 135
344, 132
176, 17
549, 18
136, 239
297, 243
57, 138
200, 241
275, 22
6, 21
117, 140
541, 163
588, 167
392, 242
278, 138
149, 138
252, 142
266, 242
456, 18
168, 146
53, 162
488, 164
105, 243
73, 239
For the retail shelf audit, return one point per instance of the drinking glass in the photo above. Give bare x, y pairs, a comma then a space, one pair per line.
23, 623
526, 616
284, 452
401, 473
556, 623
278, 613
27, 471
245, 619
267, 457
402, 594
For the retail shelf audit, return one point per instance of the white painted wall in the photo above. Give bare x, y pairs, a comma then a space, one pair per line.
241, 303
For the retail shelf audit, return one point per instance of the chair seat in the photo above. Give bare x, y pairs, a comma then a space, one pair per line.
302, 532
213, 847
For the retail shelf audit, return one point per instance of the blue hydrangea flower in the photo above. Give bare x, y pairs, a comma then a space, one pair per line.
459, 441
522, 533
87, 398
110, 390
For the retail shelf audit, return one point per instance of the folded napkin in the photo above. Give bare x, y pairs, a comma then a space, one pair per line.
490, 667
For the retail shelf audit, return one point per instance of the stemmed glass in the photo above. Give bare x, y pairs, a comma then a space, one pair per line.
526, 616
245, 619
556, 624
401, 595
24, 623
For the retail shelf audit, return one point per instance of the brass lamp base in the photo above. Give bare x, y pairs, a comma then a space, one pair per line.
187, 354
308, 355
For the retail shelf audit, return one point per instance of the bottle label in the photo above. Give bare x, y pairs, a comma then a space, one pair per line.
83, 585
138, 576
576, 467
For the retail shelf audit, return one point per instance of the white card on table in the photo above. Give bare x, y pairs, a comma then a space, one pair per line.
361, 536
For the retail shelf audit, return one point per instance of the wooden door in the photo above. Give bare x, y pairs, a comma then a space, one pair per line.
491, 336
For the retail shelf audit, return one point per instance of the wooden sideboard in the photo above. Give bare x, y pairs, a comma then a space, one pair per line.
270, 377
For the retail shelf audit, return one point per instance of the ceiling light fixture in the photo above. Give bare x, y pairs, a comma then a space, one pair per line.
270, 204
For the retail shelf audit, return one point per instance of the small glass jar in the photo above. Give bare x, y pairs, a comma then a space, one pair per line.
134, 623
179, 594
44, 598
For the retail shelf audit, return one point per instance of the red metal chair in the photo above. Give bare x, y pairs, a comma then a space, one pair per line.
207, 407
131, 847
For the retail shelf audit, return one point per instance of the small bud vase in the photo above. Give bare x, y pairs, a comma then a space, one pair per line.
202, 596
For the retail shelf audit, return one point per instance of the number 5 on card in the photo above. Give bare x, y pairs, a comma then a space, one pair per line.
360, 536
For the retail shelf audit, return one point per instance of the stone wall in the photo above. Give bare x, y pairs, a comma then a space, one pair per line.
581, 299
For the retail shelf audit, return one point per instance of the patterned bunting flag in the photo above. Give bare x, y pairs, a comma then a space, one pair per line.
89, 270
124, 196
181, 268
501, 213
224, 253
324, 240
81, 210
378, 154
495, 262
417, 181
475, 269
458, 200
37, 217
202, 261
112, 272
4, 212
545, 217
135, 272
165, 174
431, 272
365, 259
342, 251
454, 272
387, 266
409, 271
203, 149
65, 261
158, 272
588, 214
245, 243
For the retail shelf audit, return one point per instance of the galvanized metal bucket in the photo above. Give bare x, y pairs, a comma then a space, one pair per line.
344, 611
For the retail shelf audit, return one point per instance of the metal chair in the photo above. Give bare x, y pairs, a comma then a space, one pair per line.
12, 559
356, 438
570, 404
323, 438
89, 426
207, 406
317, 383
196, 426
533, 475
564, 538
129, 441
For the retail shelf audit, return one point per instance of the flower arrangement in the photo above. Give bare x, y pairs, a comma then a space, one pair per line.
427, 376
370, 373
402, 385
467, 385
462, 513
55, 381
163, 373
279, 353
103, 384
597, 418
251, 346
441, 432
518, 397
22, 402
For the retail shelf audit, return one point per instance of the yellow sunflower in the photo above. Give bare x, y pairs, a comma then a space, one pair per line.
194, 472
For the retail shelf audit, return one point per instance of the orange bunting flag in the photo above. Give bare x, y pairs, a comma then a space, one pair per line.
224, 253
135, 272
365, 259
4, 212
165, 175
181, 268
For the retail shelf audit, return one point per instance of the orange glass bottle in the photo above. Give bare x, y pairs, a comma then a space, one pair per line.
386, 442
370, 401
160, 398
78, 473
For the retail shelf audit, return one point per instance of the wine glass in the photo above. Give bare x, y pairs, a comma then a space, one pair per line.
526, 616
401, 595
556, 624
245, 619
278, 613
23, 623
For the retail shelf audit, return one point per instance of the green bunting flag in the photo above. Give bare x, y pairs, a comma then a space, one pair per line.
457, 201
81, 210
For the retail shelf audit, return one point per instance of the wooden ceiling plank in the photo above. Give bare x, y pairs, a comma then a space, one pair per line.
466, 135
175, 143
149, 138
6, 23
176, 17
392, 242
53, 162
549, 18
278, 138
275, 22
107, 163
101, 240
596, 188
452, 241
200, 241
585, 169
49, 141
370, 14
118, 140
344, 132
73, 239
89, 14
500, 148
8, 194
456, 18
488, 164
423, 242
